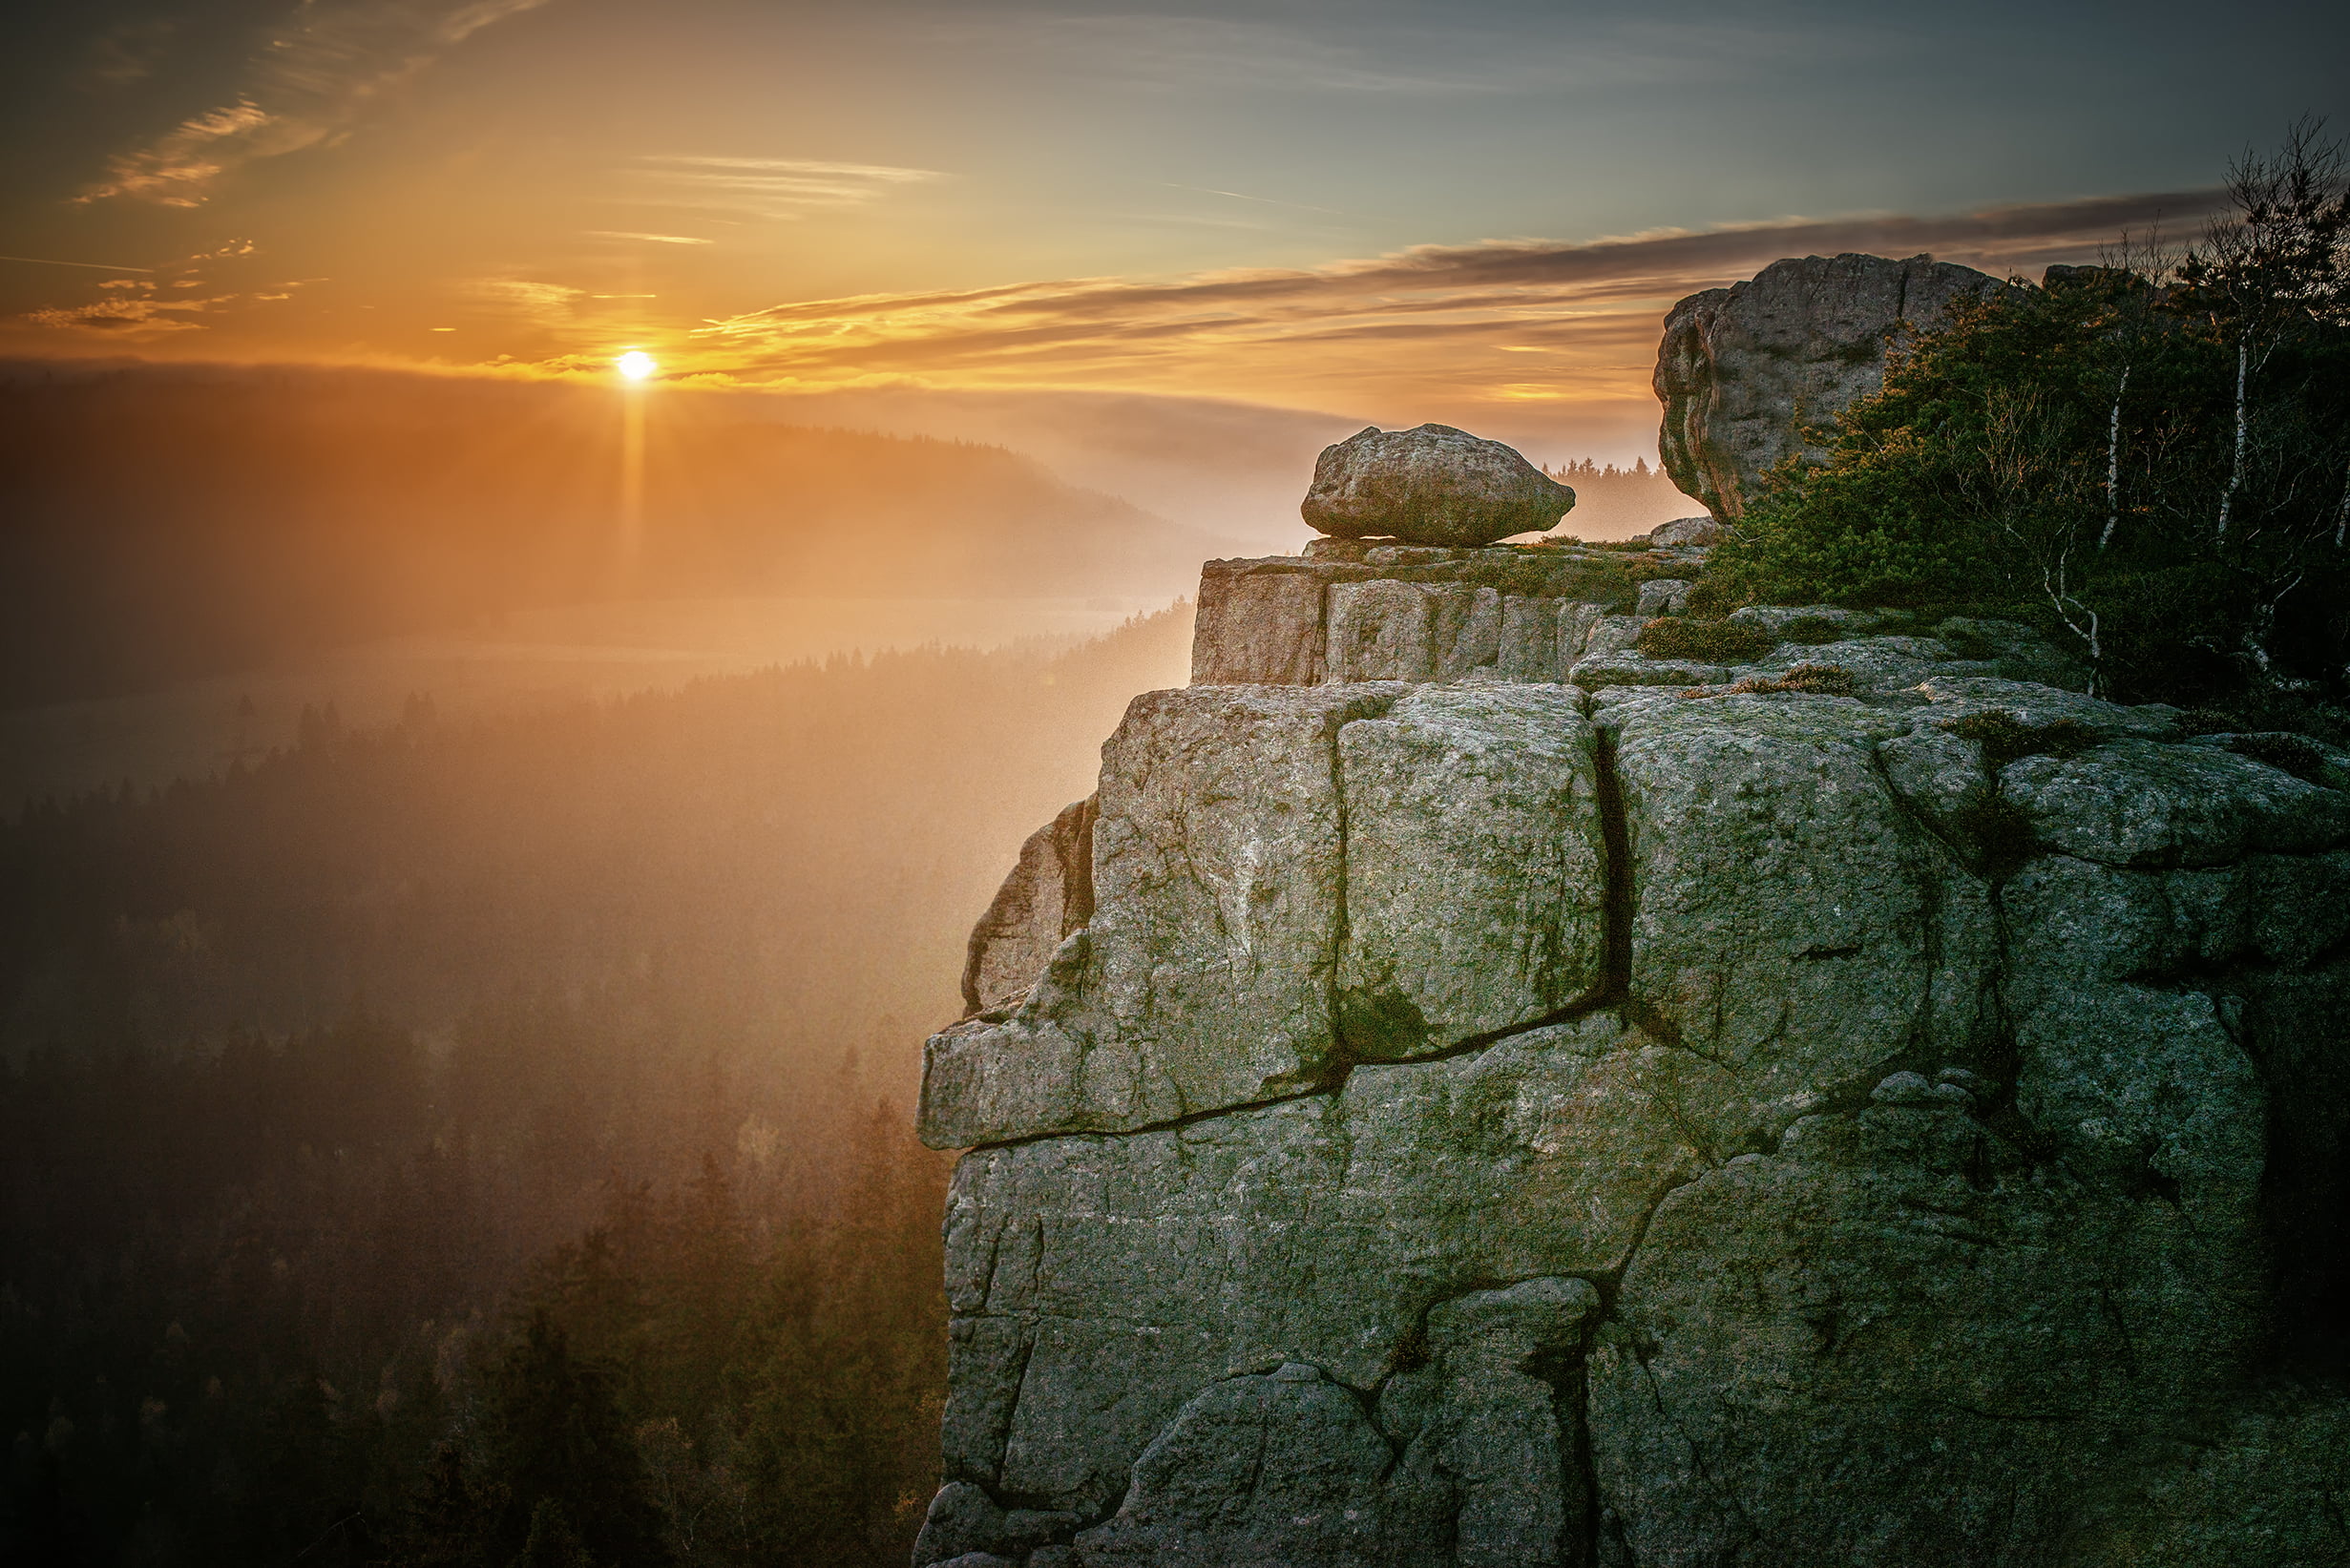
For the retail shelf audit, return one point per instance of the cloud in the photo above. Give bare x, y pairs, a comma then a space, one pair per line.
652, 239
126, 316
771, 188
309, 83
549, 304
1433, 322
132, 308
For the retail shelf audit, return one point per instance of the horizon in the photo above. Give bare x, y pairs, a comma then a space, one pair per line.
1352, 213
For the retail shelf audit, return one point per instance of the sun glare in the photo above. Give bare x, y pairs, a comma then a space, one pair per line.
636, 364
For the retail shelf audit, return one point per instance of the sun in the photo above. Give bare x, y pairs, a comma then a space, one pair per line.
636, 364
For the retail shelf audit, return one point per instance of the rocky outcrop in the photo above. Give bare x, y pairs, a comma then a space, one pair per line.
1048, 895
1491, 1120
1432, 485
1745, 371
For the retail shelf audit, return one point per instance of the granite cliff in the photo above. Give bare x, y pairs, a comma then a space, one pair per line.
1494, 1118
1501, 1074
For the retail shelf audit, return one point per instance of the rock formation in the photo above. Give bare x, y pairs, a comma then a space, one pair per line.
1745, 370
1517, 1099
1432, 485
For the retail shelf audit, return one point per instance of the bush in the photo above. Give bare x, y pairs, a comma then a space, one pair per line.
1812, 631
2005, 737
1707, 641
1815, 680
2084, 456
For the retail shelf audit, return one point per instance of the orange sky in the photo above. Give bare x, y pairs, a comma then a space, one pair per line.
1289, 204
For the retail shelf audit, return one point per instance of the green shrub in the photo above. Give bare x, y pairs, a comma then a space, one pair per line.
2005, 737
2294, 754
1964, 638
2149, 470
1707, 641
1817, 680
1812, 631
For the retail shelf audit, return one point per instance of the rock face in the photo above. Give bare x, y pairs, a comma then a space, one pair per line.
1432, 485
1500, 1121
1686, 531
1048, 895
1744, 370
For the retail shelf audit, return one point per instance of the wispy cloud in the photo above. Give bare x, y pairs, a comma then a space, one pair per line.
311, 81
143, 308
1455, 319
769, 188
161, 298
649, 238
549, 304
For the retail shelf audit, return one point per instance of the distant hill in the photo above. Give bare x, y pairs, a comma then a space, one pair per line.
159, 523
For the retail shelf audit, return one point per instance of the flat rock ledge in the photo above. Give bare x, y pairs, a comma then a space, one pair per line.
1486, 1117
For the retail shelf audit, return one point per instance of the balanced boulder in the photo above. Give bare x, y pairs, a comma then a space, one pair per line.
1434, 485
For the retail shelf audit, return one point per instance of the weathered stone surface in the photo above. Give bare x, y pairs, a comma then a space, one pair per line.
1892, 1341
1132, 1272
1578, 624
1776, 619
1664, 597
1528, 646
1280, 1471
1265, 629
1048, 895
1389, 630
1611, 635
1475, 876
1660, 1125
2136, 802
1631, 669
1798, 924
1684, 532
1432, 485
1494, 1416
1743, 370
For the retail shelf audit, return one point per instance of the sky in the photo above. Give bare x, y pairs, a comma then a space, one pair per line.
1476, 212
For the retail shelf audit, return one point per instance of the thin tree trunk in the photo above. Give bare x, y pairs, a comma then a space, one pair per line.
2113, 463
2236, 472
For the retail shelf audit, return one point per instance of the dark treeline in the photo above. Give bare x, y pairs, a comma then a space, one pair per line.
1613, 503
472, 1144
164, 523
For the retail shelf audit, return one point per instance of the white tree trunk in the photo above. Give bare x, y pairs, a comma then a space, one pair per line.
2235, 471
2113, 463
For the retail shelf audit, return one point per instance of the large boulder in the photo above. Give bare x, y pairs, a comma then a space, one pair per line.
1746, 372
1432, 485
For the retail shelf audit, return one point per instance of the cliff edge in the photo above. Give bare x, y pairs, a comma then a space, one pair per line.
1517, 1099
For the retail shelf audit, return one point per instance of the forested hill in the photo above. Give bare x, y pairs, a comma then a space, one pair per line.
164, 523
420, 1098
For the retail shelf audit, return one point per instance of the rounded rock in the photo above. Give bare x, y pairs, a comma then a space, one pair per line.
1433, 485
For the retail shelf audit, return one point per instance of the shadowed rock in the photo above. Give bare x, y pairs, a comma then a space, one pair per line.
1743, 370
1048, 895
1430, 486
